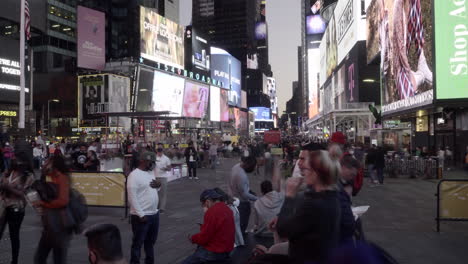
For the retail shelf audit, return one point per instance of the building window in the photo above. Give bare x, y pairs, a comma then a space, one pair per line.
64, 29
62, 13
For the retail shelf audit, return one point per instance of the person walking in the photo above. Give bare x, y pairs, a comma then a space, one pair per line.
191, 157
163, 169
104, 244
55, 236
380, 164
38, 154
239, 187
144, 215
12, 190
213, 151
8, 154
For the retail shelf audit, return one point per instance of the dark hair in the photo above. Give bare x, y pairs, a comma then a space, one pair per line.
266, 187
106, 241
93, 153
349, 161
312, 146
211, 194
249, 161
58, 163
327, 169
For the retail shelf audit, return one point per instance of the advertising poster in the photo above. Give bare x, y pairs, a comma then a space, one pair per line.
244, 99
93, 97
261, 113
315, 25
145, 90
215, 104
101, 189
451, 37
162, 40
197, 45
352, 76
243, 121
224, 105
252, 61
453, 199
119, 99
271, 89
10, 72
195, 100
405, 43
313, 57
168, 93
331, 47
91, 39
373, 38
227, 69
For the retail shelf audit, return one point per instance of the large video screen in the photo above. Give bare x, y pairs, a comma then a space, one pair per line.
215, 104
168, 93
224, 105
195, 100
405, 43
198, 48
261, 113
162, 40
227, 69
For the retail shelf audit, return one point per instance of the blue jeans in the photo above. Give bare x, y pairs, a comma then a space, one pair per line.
202, 256
7, 163
380, 174
144, 233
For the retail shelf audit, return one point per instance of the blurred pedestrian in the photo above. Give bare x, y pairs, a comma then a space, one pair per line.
163, 170
12, 191
80, 157
213, 151
92, 162
55, 235
239, 187
104, 244
8, 154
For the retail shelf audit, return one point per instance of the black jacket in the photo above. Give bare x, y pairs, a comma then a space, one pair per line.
312, 224
347, 222
187, 154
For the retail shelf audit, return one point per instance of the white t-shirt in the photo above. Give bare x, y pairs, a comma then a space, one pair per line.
161, 164
142, 198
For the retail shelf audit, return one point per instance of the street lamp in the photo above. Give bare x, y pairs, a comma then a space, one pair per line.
48, 113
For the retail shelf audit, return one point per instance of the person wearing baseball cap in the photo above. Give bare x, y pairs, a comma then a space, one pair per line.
144, 215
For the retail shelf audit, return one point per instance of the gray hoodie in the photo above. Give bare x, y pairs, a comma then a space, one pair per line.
266, 208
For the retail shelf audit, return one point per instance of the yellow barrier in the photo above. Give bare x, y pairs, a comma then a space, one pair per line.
101, 188
453, 199
277, 151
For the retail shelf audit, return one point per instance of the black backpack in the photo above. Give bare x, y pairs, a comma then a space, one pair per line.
78, 209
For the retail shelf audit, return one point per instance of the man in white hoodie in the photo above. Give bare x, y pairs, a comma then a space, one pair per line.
267, 207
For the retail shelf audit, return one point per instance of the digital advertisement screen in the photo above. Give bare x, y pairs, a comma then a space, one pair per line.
271, 89
405, 52
227, 69
224, 105
162, 40
93, 94
145, 90
91, 39
168, 93
451, 35
197, 45
313, 57
195, 100
215, 104
244, 99
10, 72
261, 113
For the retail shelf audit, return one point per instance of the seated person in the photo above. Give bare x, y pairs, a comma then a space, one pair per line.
267, 207
217, 235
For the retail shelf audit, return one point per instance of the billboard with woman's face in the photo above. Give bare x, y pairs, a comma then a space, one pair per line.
195, 100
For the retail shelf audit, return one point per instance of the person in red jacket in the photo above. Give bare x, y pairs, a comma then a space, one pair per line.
216, 238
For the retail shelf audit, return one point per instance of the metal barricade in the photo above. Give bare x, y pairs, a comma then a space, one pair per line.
412, 167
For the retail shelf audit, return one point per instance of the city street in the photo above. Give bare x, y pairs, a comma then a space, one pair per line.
400, 219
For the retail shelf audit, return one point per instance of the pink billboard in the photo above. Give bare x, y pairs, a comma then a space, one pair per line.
195, 100
91, 46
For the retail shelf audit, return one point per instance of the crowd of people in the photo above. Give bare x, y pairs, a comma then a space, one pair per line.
307, 212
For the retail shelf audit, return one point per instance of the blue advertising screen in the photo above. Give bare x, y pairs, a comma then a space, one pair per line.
261, 113
227, 69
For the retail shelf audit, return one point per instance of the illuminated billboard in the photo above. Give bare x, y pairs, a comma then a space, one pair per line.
195, 100
405, 45
215, 104
197, 49
227, 69
261, 113
161, 40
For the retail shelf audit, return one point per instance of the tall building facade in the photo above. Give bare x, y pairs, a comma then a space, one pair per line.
239, 26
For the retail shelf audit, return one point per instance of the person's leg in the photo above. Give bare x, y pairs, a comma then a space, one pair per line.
151, 237
60, 249
14, 220
380, 175
194, 165
244, 213
139, 230
162, 193
196, 258
371, 171
43, 249
189, 168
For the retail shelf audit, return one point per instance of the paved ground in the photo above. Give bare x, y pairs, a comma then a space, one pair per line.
401, 219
